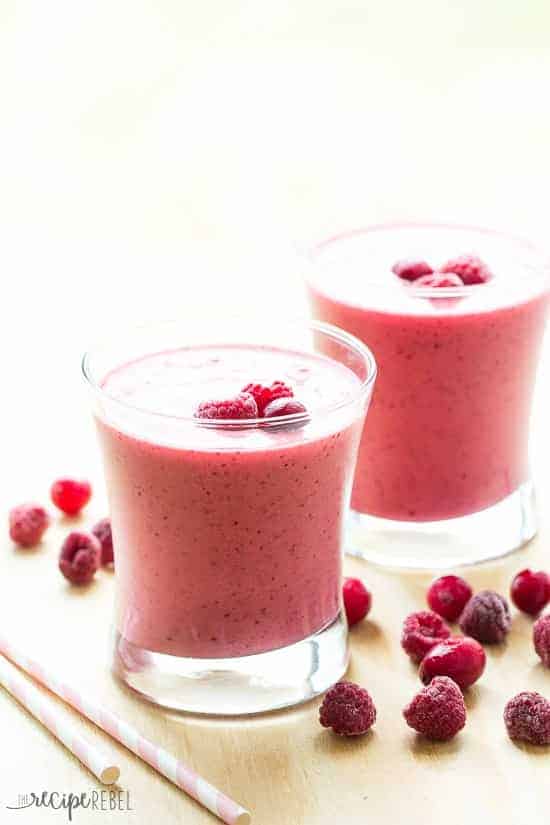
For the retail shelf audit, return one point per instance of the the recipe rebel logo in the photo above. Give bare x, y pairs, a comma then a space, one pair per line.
70, 802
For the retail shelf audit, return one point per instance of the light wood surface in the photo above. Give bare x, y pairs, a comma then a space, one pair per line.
160, 158
284, 767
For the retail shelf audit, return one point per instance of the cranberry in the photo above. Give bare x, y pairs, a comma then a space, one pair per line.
460, 658
70, 495
283, 406
357, 600
80, 557
530, 591
448, 595
437, 281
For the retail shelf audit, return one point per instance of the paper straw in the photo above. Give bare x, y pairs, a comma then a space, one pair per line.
173, 769
57, 723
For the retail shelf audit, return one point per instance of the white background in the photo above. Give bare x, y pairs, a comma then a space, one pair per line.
166, 155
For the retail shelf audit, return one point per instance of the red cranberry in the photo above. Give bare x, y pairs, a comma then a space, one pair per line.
460, 658
448, 595
28, 523
357, 600
80, 557
70, 495
283, 406
530, 591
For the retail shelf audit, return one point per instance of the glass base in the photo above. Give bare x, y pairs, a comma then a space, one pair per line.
240, 685
482, 536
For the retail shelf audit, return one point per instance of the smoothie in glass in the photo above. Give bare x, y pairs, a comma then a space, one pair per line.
447, 434
229, 535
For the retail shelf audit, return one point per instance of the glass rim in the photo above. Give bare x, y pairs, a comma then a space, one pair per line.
314, 251
330, 330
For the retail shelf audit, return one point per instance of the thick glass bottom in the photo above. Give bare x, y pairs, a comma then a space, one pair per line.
240, 685
482, 536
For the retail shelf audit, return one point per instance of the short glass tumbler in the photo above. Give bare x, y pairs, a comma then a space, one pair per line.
443, 473
228, 535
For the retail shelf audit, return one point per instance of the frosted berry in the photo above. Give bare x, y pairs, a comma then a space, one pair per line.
486, 617
80, 557
70, 495
469, 268
422, 631
411, 269
28, 523
102, 532
438, 711
437, 281
461, 658
242, 406
530, 591
448, 595
357, 600
527, 718
283, 406
348, 709
264, 395
541, 639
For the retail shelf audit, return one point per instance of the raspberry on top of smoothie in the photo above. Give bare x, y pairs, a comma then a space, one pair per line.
254, 401
464, 270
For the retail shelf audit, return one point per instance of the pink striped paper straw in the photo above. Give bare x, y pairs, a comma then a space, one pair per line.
173, 769
59, 725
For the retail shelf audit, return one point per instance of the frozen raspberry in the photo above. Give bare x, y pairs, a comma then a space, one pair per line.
242, 406
530, 591
486, 617
421, 632
527, 717
460, 658
470, 268
411, 269
438, 711
70, 494
264, 395
541, 639
102, 532
357, 600
448, 595
28, 523
439, 281
348, 709
283, 406
80, 557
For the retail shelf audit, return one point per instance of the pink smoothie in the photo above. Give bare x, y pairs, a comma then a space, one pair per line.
228, 543
447, 432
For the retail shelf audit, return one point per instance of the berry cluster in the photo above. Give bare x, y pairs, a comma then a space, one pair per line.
82, 553
465, 270
253, 401
450, 664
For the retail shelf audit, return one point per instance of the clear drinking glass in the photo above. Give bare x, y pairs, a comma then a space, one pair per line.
443, 474
228, 535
